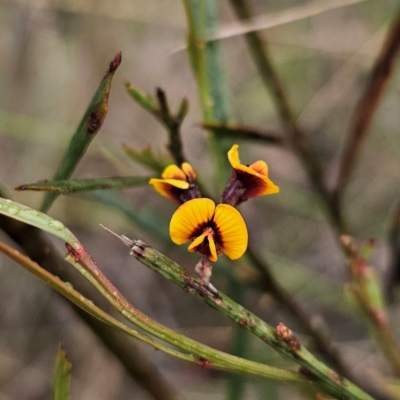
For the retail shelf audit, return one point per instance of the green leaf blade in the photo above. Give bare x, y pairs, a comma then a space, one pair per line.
144, 100
88, 128
87, 185
35, 218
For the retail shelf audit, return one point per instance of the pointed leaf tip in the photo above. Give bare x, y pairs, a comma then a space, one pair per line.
115, 63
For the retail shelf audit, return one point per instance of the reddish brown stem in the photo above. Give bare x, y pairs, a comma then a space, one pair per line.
368, 105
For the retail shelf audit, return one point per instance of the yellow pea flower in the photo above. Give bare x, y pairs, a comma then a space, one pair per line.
247, 181
177, 184
212, 229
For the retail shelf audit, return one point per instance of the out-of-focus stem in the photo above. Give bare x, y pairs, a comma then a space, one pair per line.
367, 106
368, 294
297, 137
393, 275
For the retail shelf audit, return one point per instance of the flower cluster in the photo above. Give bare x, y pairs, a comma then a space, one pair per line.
213, 229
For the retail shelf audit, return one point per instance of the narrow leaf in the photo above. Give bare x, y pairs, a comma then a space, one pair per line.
62, 381
142, 99
86, 185
36, 218
89, 126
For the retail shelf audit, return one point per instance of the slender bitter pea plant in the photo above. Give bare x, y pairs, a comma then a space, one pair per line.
212, 226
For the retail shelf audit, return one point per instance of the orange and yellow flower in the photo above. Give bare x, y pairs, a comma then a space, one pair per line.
247, 181
212, 229
177, 184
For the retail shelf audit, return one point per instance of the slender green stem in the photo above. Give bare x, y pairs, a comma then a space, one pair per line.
200, 354
281, 338
206, 61
204, 355
236, 385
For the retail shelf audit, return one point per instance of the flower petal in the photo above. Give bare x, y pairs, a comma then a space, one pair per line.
231, 231
188, 170
233, 156
255, 183
196, 242
260, 167
170, 188
177, 183
213, 250
190, 219
173, 172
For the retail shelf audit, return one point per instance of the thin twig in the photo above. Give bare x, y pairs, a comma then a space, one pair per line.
296, 136
173, 124
368, 105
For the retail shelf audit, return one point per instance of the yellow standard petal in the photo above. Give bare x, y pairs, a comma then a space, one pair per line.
173, 172
188, 170
231, 231
189, 220
233, 156
254, 178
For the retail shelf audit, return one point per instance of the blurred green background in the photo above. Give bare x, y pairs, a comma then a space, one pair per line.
53, 55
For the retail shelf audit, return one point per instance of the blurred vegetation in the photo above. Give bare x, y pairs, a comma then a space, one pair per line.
325, 54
